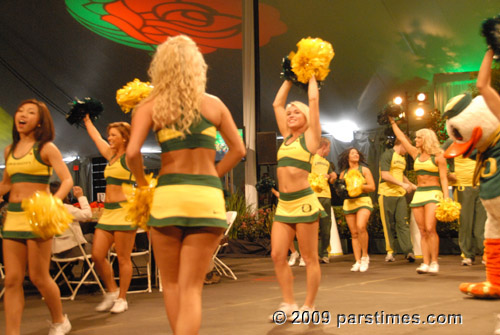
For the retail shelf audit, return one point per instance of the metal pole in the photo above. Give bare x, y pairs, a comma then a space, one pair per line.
249, 99
407, 113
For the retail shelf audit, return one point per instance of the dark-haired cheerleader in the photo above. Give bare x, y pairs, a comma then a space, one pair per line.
29, 163
358, 206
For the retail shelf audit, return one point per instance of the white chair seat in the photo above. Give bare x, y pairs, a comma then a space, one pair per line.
138, 274
220, 266
2, 276
86, 259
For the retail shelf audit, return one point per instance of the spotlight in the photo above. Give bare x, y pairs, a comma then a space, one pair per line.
398, 100
419, 112
70, 159
341, 130
421, 97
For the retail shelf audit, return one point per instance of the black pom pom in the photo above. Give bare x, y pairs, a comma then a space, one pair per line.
288, 74
340, 188
491, 31
390, 109
382, 118
394, 110
80, 108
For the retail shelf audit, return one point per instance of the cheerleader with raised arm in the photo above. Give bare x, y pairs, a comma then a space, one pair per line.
432, 187
298, 210
113, 226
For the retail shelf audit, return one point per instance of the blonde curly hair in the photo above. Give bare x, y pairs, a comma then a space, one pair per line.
178, 73
430, 142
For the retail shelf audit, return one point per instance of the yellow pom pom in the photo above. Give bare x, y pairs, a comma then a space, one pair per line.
46, 214
312, 58
354, 182
131, 94
318, 182
448, 210
139, 201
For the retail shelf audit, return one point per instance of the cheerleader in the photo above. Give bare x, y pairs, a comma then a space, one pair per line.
188, 214
29, 162
113, 227
432, 187
357, 208
298, 210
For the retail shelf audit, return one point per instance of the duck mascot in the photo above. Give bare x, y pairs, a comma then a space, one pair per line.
475, 132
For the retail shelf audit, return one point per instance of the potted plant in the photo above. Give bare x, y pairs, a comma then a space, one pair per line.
251, 231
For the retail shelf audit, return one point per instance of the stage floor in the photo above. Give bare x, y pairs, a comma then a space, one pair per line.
243, 306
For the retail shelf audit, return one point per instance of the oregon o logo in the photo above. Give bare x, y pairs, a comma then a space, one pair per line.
491, 165
306, 208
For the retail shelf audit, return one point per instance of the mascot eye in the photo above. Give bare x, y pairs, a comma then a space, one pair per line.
457, 134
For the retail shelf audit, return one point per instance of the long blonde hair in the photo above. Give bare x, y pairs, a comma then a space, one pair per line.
179, 74
430, 142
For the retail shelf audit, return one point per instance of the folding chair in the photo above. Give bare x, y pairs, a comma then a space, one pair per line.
2, 276
219, 265
158, 280
63, 262
145, 254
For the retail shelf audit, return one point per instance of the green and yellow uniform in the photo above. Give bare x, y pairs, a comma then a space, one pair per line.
321, 166
426, 194
300, 206
392, 202
472, 215
354, 204
188, 200
114, 216
295, 154
27, 169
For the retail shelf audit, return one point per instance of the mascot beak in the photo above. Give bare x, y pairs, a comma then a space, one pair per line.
465, 149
